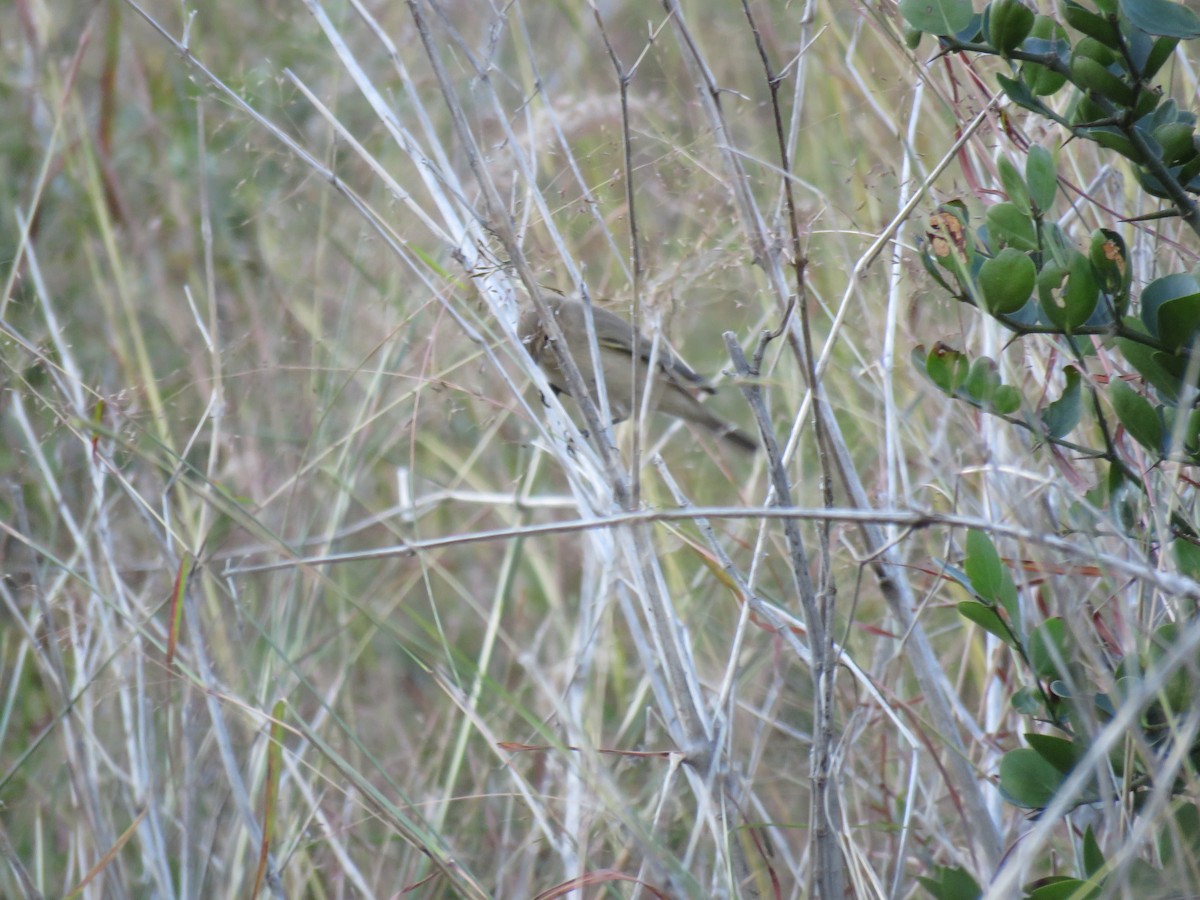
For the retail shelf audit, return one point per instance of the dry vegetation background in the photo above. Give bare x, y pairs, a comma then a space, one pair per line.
255, 360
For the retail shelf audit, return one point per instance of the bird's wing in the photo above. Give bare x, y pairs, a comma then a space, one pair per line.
613, 331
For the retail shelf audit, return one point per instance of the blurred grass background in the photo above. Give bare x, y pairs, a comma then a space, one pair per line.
208, 353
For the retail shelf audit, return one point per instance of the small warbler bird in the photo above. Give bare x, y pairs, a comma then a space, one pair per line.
675, 385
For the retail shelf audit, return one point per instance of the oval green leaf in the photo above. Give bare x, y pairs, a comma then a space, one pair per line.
1068, 294
1048, 649
1006, 400
987, 618
1010, 227
946, 367
951, 884
1176, 141
1027, 780
1059, 752
1095, 26
1041, 176
1047, 37
1162, 291
982, 565
1006, 24
1137, 415
982, 380
1007, 281
1162, 18
1158, 55
1110, 261
1089, 75
942, 17
1061, 416
1014, 185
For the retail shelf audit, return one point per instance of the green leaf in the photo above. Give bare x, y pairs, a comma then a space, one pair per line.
987, 618
1191, 433
1180, 840
1006, 23
1048, 649
1014, 185
946, 367
1006, 400
950, 240
1144, 880
1084, 20
1163, 113
1165, 637
1042, 82
1021, 94
1010, 227
1048, 39
1179, 320
982, 387
1137, 415
1027, 701
1110, 138
1162, 17
1187, 174
1178, 317
1061, 416
1042, 177
1150, 183
1150, 364
1007, 281
1124, 500
981, 382
1110, 261
1091, 76
982, 565
1159, 293
1027, 780
1060, 688
1159, 53
1061, 887
1059, 752
1187, 557
941, 17
1097, 50
951, 884
1148, 101
1068, 294
1093, 858
1179, 691
957, 575
1176, 141
1084, 110
934, 270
